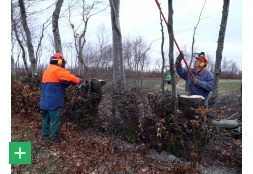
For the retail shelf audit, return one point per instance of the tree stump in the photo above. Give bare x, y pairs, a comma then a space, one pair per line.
187, 103
194, 128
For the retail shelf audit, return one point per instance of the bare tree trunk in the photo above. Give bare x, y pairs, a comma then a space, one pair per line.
28, 37
217, 70
192, 48
119, 83
13, 66
55, 25
163, 59
13, 72
80, 39
81, 42
171, 58
140, 56
39, 47
23, 57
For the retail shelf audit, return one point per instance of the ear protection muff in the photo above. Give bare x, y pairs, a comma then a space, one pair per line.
203, 59
58, 59
202, 65
59, 62
55, 60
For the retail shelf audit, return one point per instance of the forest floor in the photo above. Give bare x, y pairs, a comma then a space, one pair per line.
89, 151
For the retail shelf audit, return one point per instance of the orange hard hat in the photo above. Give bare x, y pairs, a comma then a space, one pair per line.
202, 58
58, 56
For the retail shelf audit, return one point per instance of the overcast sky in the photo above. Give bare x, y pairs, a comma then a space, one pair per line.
144, 20
141, 17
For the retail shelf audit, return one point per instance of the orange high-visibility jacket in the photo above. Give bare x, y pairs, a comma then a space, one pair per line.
52, 88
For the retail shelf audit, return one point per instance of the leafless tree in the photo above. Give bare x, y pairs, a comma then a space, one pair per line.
55, 26
210, 65
193, 41
234, 68
38, 50
119, 84
163, 58
194, 32
219, 50
104, 48
128, 53
229, 69
25, 30
90, 54
13, 71
80, 29
15, 32
98, 57
225, 64
140, 57
171, 57
28, 37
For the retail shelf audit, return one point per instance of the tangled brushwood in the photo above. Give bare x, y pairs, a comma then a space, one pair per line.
140, 118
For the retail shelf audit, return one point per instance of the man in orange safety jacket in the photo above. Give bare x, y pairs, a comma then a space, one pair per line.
52, 96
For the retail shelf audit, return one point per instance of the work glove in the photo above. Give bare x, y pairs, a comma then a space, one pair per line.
196, 82
180, 57
80, 80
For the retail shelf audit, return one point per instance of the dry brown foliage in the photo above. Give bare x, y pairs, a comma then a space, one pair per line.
91, 151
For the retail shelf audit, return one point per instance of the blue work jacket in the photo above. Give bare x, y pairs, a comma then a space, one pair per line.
206, 82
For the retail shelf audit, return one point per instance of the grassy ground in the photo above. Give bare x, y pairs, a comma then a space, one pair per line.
230, 85
155, 84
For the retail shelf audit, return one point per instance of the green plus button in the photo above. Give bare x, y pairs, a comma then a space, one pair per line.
20, 152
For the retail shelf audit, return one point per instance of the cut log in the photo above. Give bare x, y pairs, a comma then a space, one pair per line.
96, 85
234, 116
187, 103
228, 124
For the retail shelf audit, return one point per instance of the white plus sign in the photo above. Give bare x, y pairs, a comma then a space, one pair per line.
19, 153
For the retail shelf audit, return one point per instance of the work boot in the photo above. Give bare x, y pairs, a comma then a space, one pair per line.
44, 138
56, 141
44, 141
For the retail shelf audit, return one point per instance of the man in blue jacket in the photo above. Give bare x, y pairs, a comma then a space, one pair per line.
203, 79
